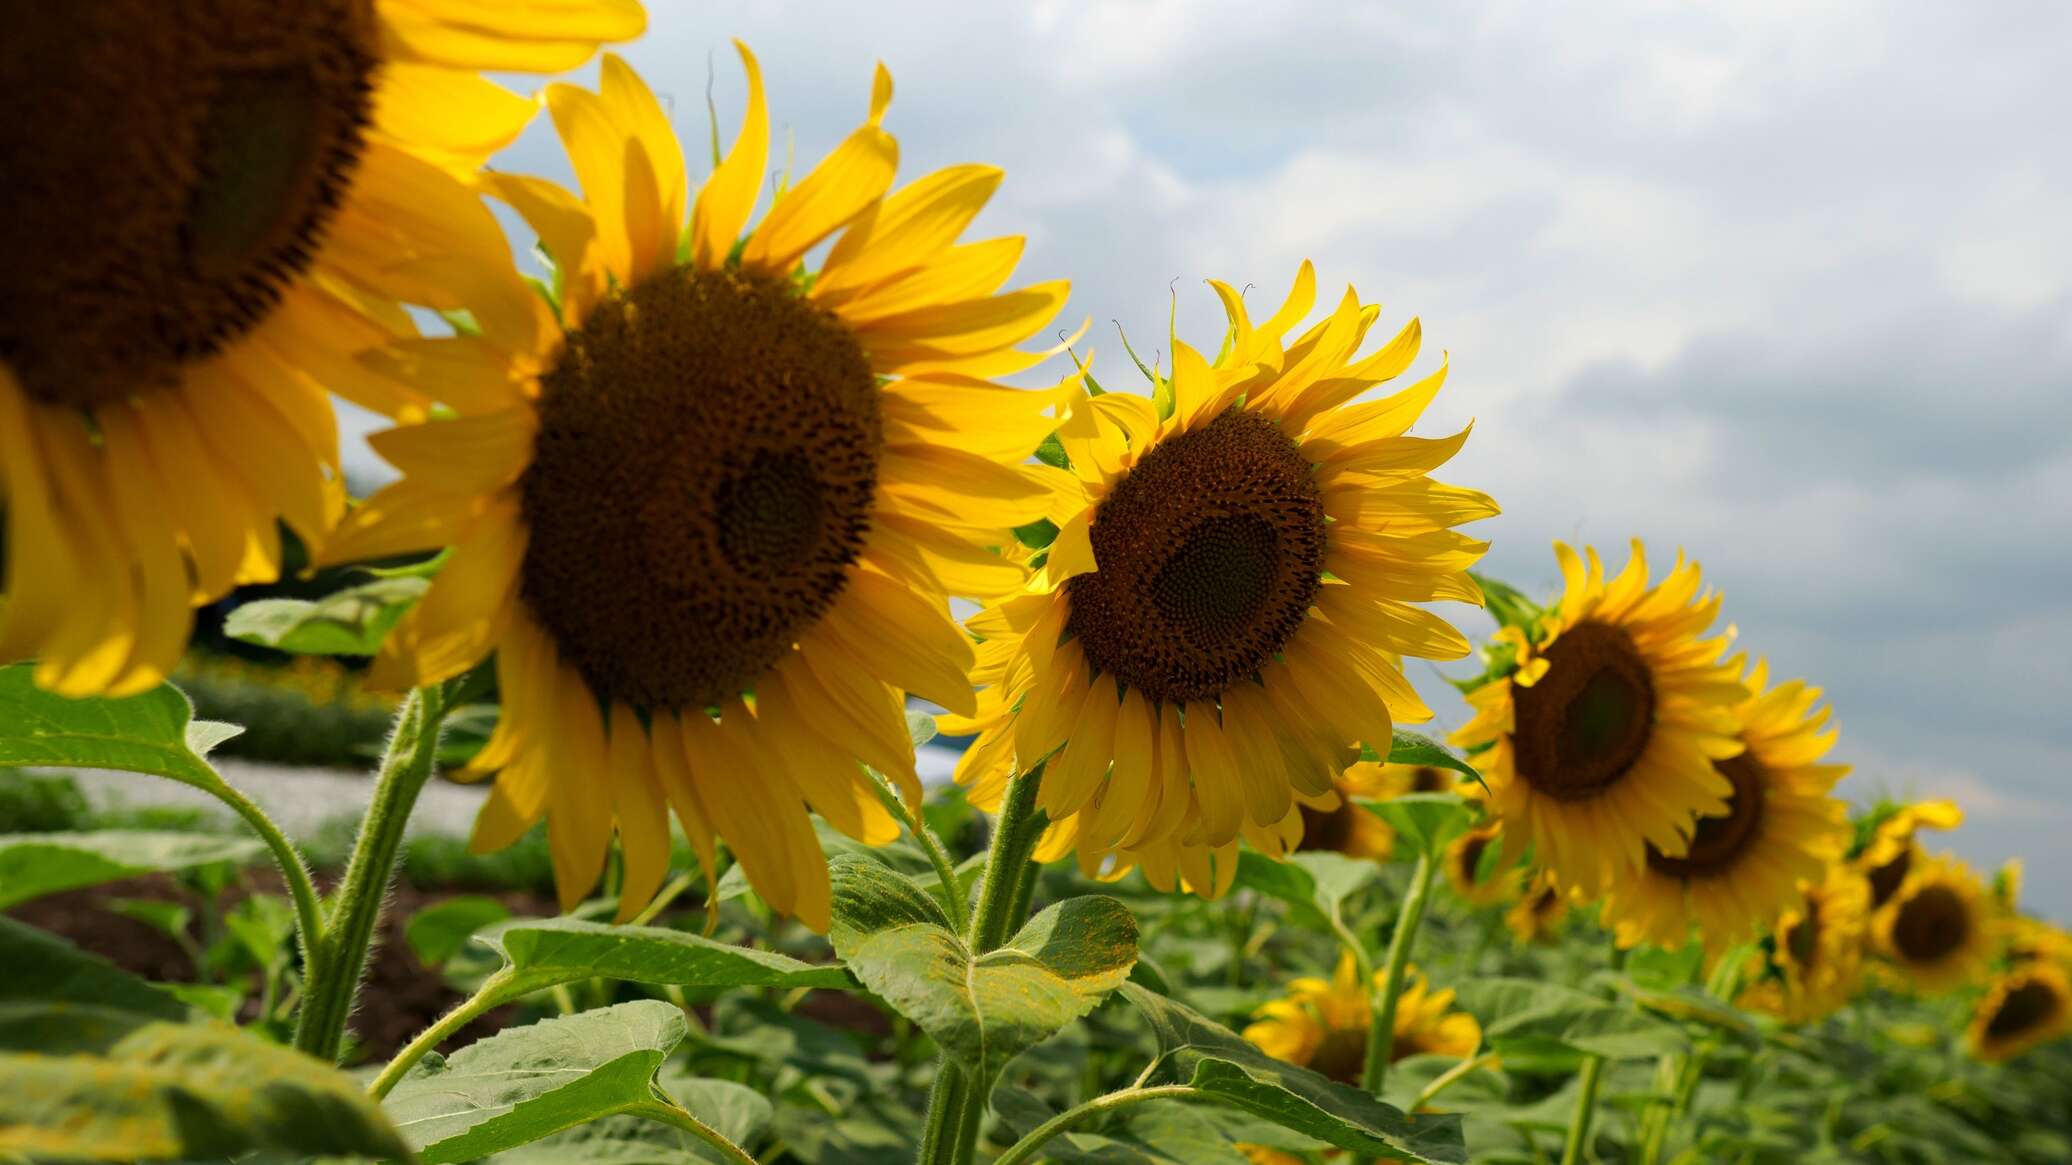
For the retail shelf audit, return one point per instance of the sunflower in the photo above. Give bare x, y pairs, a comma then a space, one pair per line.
1536, 914
1476, 868
1744, 866
2028, 1006
2034, 940
209, 208
706, 510
1817, 949
1891, 850
1605, 740
1223, 608
1322, 1025
1335, 821
1934, 929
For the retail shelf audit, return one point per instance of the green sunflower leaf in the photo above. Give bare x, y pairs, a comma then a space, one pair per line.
35, 864
543, 952
1537, 1017
526, 1083
1427, 820
1322, 880
1221, 1064
441, 930
349, 622
101, 1065
152, 732
981, 1009
1413, 748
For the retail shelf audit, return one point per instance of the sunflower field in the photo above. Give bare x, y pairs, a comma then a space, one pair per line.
734, 487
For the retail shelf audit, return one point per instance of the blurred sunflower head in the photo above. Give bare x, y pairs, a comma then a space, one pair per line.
264, 182
705, 508
1816, 949
1335, 821
2032, 940
1536, 916
2028, 1006
1603, 743
1322, 1025
1221, 614
1476, 869
1935, 930
1889, 852
1744, 866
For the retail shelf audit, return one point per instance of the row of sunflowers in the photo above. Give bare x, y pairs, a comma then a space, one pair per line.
686, 493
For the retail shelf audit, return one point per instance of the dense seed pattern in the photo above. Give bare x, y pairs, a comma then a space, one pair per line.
700, 487
171, 168
1588, 719
1209, 553
1931, 924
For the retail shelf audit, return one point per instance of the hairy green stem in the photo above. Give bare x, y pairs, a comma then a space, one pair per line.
938, 857
1381, 1030
309, 909
494, 991
405, 767
959, 1096
1025, 1149
670, 1114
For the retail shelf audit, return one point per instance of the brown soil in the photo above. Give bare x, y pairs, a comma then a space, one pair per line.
401, 995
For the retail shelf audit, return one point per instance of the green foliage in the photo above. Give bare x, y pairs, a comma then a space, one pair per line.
352, 621
439, 931
981, 1009
101, 1066
1426, 820
542, 952
1215, 1060
526, 1083
153, 732
35, 864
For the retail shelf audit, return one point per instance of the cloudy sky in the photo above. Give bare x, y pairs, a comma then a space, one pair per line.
1784, 285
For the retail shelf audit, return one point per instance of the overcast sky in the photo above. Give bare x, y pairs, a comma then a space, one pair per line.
1784, 285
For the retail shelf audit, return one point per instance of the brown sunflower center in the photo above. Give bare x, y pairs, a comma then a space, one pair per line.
1209, 553
1341, 1055
1718, 843
2028, 1006
1885, 880
701, 484
1802, 938
1931, 924
1329, 830
1426, 779
1588, 719
171, 167
1470, 856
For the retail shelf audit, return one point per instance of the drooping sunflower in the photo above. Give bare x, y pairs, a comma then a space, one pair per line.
1233, 581
2028, 1006
1817, 949
208, 209
707, 514
1605, 740
1469, 861
1934, 930
1538, 911
1322, 1025
1744, 866
1889, 854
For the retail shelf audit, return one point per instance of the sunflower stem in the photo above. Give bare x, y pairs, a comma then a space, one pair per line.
1025, 1149
1586, 1099
669, 1114
938, 857
309, 909
405, 767
958, 1099
494, 992
1381, 1030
